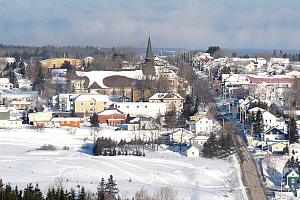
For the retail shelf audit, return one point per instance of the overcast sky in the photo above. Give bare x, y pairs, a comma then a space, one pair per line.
263, 24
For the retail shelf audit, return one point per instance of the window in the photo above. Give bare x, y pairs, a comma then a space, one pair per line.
127, 106
137, 106
81, 103
74, 123
145, 106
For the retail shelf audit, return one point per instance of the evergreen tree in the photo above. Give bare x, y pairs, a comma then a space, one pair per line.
72, 194
210, 146
111, 186
101, 190
94, 120
82, 195
258, 125
292, 131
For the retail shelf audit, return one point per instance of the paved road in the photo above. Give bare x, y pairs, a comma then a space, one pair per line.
250, 175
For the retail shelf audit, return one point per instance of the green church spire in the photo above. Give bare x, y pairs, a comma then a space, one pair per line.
149, 53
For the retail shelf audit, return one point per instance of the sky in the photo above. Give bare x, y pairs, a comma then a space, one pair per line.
191, 24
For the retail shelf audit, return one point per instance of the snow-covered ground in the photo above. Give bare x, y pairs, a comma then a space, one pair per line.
192, 178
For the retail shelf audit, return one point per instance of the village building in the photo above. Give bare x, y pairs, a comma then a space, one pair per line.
40, 119
54, 63
192, 152
112, 117
90, 103
203, 124
72, 122
145, 109
169, 98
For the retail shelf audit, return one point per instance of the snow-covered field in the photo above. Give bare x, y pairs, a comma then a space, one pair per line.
192, 178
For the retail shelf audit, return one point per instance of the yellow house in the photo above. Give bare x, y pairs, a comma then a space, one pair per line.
90, 103
57, 62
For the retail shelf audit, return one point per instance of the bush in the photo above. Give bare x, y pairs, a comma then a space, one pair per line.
48, 147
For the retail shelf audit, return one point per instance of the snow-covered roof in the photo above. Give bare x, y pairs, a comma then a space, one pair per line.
256, 109
90, 97
59, 119
40, 116
111, 112
170, 95
4, 80
99, 76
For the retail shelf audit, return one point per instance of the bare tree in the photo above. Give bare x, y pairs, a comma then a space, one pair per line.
165, 193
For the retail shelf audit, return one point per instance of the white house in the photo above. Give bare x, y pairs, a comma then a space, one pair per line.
181, 136
269, 120
192, 152
294, 150
198, 140
204, 125
146, 109
6, 121
273, 135
169, 98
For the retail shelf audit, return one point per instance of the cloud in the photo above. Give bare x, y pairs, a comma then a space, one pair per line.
171, 23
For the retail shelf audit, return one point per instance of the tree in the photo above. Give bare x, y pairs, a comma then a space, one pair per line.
111, 187
292, 131
258, 125
94, 120
210, 146
171, 117
82, 195
101, 190
212, 49
188, 108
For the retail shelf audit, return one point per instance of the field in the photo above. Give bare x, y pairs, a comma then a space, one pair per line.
21, 162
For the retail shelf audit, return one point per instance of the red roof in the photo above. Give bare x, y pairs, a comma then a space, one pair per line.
271, 79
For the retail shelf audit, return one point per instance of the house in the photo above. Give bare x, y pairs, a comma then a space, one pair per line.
180, 136
192, 152
169, 98
73, 122
269, 120
20, 105
198, 140
294, 150
5, 84
203, 124
139, 109
90, 103
18, 99
40, 119
7, 122
292, 178
270, 87
279, 147
274, 135
112, 117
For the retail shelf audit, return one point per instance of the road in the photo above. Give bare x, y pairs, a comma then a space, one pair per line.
251, 177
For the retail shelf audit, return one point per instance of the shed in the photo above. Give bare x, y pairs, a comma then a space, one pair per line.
192, 152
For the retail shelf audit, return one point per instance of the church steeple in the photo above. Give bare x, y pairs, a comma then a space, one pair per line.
149, 52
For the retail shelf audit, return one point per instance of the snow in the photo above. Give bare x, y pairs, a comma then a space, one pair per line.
89, 97
192, 178
98, 76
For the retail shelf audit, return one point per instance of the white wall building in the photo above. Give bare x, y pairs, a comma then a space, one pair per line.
147, 109
192, 152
